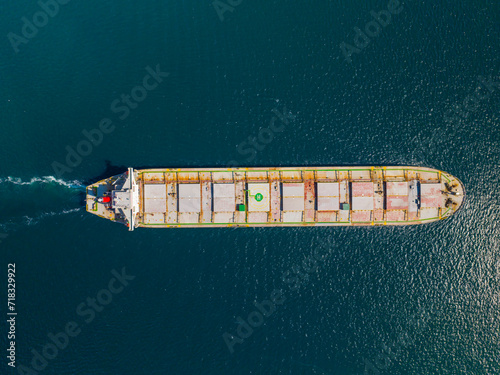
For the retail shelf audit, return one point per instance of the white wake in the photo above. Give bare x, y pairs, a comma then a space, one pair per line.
75, 184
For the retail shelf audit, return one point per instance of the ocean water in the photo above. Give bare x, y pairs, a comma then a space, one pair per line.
422, 90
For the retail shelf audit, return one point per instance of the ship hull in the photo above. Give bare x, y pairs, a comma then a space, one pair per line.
276, 197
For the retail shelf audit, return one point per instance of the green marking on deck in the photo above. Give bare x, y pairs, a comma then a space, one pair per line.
258, 197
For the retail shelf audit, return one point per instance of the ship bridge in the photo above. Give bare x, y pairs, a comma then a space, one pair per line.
125, 198
116, 198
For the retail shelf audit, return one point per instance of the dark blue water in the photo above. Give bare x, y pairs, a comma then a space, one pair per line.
423, 90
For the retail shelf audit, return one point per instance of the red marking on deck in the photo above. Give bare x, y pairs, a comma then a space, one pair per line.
397, 188
309, 199
395, 215
412, 216
431, 201
362, 189
378, 215
326, 216
430, 189
275, 197
397, 202
431, 195
361, 215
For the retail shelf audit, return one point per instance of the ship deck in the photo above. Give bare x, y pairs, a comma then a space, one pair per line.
244, 197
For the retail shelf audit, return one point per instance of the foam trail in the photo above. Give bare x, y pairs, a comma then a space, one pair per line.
28, 220
16, 224
75, 184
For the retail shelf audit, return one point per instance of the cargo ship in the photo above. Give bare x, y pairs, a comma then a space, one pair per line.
271, 197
